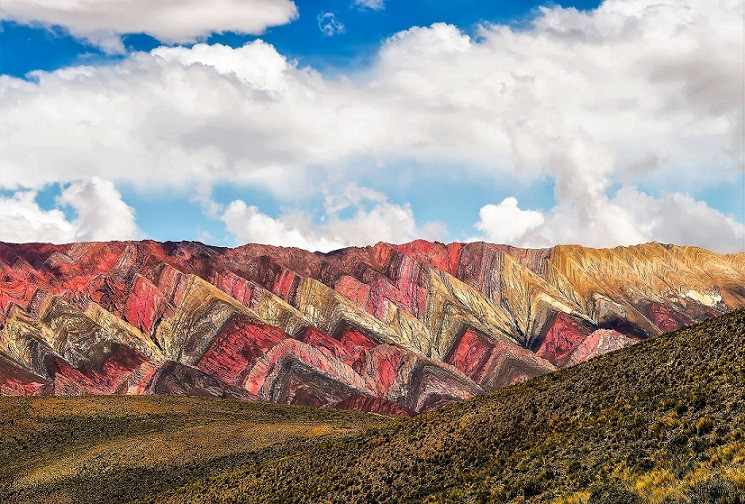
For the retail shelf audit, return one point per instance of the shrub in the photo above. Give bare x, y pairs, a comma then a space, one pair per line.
616, 493
704, 425
716, 490
638, 460
531, 489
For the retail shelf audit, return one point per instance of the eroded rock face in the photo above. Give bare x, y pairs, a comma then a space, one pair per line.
390, 328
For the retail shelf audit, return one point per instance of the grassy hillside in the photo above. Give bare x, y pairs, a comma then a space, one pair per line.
119, 448
662, 422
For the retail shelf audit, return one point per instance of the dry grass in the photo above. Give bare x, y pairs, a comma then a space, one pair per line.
51, 445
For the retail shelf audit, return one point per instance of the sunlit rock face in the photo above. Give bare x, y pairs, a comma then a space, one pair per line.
390, 328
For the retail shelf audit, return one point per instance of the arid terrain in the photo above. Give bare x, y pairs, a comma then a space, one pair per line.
661, 422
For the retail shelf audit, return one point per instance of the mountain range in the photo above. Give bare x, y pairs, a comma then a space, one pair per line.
398, 329
661, 422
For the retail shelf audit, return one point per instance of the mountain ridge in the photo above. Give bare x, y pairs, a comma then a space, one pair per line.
404, 328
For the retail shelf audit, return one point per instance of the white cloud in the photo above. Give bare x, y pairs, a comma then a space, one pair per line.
644, 93
102, 21
249, 225
370, 4
163, 118
373, 218
506, 223
329, 25
101, 215
22, 220
203, 196
628, 218
678, 218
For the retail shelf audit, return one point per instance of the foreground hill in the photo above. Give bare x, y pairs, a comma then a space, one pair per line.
660, 422
107, 449
394, 329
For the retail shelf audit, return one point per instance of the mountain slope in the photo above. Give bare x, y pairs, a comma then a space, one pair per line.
662, 421
656, 421
393, 328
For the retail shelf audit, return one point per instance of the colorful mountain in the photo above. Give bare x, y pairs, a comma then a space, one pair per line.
390, 328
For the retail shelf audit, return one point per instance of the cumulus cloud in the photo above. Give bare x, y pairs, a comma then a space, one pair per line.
170, 21
101, 215
630, 217
644, 93
679, 218
329, 25
174, 116
22, 220
506, 223
373, 218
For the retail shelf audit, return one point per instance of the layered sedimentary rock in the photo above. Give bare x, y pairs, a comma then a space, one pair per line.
390, 328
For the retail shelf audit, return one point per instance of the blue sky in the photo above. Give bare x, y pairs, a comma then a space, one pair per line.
530, 123
35, 47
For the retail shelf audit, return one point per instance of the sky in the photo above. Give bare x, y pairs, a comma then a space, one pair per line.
323, 124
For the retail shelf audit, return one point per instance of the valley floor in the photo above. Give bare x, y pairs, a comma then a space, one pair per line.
120, 448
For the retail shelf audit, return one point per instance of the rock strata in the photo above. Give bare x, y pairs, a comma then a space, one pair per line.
390, 328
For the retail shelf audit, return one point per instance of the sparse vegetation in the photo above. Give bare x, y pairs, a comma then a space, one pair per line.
659, 422
120, 448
